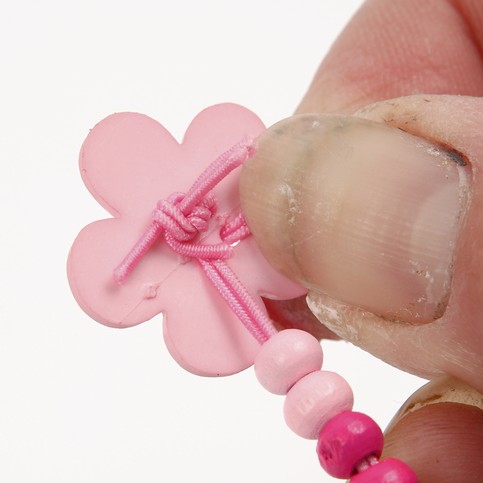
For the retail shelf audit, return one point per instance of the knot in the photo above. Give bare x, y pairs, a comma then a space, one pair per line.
181, 226
182, 217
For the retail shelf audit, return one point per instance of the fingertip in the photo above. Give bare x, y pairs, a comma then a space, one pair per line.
442, 442
439, 433
354, 209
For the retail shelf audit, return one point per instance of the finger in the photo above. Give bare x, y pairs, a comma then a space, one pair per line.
384, 228
356, 71
295, 314
392, 49
439, 433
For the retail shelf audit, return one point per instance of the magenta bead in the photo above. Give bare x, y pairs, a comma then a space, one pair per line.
287, 357
390, 470
314, 400
346, 440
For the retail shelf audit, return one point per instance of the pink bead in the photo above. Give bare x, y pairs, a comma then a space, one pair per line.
287, 357
314, 400
346, 440
387, 471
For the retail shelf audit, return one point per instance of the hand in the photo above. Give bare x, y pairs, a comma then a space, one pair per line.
379, 213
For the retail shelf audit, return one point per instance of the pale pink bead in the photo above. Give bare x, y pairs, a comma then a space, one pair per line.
314, 400
387, 471
287, 357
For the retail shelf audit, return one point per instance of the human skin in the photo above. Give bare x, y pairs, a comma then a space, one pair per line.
416, 67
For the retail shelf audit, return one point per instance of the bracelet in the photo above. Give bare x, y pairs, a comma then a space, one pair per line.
162, 246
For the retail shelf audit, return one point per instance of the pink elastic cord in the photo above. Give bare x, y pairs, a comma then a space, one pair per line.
182, 217
366, 463
238, 299
235, 230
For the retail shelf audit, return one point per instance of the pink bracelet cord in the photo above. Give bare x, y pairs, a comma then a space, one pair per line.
366, 463
182, 217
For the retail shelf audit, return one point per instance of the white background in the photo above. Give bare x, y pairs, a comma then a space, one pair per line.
83, 403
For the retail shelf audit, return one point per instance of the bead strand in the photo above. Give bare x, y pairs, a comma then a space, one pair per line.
318, 405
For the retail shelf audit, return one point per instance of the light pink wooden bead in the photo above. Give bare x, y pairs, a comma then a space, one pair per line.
314, 400
287, 357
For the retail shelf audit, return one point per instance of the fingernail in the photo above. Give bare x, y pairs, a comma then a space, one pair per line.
364, 213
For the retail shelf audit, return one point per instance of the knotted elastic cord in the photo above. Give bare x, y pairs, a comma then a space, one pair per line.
181, 217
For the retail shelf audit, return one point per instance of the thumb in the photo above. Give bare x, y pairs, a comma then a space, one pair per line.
382, 220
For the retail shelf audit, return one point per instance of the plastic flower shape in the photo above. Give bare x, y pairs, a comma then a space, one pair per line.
130, 163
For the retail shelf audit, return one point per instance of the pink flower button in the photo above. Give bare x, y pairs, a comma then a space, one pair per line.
129, 162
